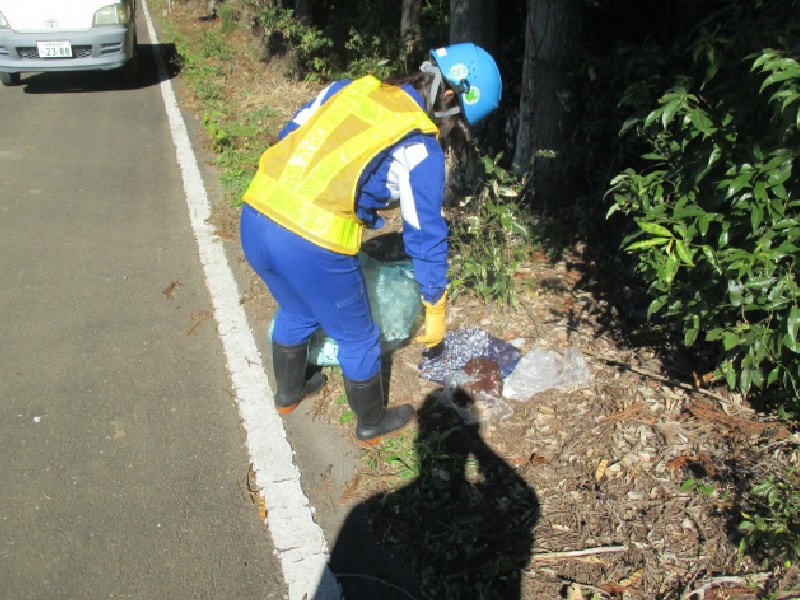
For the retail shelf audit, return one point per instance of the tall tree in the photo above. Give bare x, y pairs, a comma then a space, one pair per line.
302, 9
409, 26
474, 21
544, 111
409, 22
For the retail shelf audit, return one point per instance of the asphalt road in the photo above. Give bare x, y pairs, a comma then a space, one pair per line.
123, 454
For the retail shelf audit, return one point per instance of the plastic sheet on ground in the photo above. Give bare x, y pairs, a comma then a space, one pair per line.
540, 370
465, 370
462, 345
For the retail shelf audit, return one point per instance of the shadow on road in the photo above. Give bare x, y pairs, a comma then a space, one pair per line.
142, 75
462, 528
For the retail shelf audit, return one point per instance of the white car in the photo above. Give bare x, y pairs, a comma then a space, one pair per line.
65, 35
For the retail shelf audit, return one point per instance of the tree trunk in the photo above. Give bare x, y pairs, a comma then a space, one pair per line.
474, 21
410, 28
544, 111
302, 10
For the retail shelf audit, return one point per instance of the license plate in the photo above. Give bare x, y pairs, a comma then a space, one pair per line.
54, 49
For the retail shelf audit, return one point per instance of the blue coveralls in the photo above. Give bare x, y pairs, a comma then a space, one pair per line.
315, 287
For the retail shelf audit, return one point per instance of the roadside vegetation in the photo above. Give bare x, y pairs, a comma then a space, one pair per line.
684, 171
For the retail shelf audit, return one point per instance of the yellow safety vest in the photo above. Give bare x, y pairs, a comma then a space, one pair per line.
307, 182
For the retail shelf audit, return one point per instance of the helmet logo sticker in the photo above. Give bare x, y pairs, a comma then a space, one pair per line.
472, 96
458, 72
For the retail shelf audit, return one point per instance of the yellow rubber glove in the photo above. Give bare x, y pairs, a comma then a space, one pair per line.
435, 325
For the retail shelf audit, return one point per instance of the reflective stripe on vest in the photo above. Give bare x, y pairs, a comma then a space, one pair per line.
308, 181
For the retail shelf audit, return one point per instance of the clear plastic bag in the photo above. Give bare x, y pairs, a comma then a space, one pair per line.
393, 296
473, 405
541, 370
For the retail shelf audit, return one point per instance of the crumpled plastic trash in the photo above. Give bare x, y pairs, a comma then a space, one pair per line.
541, 370
475, 392
471, 368
462, 345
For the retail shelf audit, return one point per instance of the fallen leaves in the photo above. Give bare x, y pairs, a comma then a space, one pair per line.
600, 471
199, 317
730, 424
635, 412
701, 464
252, 493
171, 289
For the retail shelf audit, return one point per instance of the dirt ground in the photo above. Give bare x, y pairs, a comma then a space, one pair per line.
601, 467
606, 463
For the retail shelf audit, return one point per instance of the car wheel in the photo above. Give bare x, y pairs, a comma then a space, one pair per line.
8, 79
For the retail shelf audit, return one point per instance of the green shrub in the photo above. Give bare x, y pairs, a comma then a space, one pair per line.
284, 34
717, 205
364, 57
770, 523
239, 141
490, 238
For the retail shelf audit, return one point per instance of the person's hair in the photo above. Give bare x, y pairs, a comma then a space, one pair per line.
453, 129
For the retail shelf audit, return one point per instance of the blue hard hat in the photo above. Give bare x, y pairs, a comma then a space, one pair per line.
474, 74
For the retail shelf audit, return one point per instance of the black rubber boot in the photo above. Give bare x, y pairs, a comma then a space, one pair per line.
289, 366
373, 419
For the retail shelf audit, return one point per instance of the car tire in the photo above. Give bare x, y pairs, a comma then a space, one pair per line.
9, 79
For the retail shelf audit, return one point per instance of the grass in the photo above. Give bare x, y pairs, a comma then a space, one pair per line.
243, 104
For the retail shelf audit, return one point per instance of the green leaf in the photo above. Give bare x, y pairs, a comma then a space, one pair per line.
670, 268
730, 375
706, 490
731, 339
741, 181
655, 229
735, 293
656, 305
690, 335
683, 252
793, 323
746, 526
792, 326
669, 113
648, 243
745, 379
699, 119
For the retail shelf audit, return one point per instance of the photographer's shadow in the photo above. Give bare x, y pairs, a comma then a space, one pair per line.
463, 528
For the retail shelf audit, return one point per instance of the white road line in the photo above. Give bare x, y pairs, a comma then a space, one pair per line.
298, 540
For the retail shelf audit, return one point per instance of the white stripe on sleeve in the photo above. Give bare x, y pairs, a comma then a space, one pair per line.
404, 160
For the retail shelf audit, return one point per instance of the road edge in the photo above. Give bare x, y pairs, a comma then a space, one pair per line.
299, 542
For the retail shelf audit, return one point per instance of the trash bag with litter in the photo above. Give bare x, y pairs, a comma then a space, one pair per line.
395, 303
